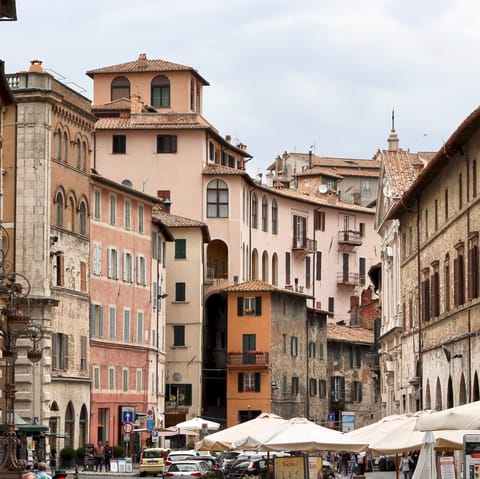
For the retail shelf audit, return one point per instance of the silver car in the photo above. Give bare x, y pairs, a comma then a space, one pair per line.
189, 469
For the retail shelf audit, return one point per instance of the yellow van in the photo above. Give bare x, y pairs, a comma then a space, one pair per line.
152, 460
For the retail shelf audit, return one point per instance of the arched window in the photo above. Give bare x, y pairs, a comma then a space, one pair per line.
254, 264
69, 425
83, 426
438, 396
120, 88
78, 154
265, 267
264, 214
71, 207
274, 217
217, 199
58, 144
275, 269
82, 219
65, 146
83, 160
161, 92
59, 205
254, 211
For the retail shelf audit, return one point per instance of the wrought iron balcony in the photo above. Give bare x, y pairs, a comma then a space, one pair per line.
247, 359
348, 279
349, 237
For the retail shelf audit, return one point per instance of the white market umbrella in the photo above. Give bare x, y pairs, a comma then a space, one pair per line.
425, 468
299, 434
466, 416
222, 440
198, 424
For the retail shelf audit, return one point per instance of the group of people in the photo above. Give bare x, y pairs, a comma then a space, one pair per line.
407, 464
351, 464
102, 456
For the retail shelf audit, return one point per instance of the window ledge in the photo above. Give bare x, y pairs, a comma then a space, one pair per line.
180, 302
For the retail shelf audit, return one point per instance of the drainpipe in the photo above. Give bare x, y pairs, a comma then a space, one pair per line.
419, 287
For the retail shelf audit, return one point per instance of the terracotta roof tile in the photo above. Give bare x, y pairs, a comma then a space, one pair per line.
147, 121
120, 104
339, 333
176, 221
214, 169
142, 65
258, 286
335, 162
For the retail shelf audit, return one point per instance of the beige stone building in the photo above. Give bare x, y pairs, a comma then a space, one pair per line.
439, 224
51, 222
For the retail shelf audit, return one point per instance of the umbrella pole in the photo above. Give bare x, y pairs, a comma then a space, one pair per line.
396, 465
269, 472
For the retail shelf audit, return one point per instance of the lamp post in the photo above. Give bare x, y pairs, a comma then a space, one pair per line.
15, 323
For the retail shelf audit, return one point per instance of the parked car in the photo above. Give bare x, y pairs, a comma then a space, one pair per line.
247, 466
152, 461
225, 461
189, 469
176, 456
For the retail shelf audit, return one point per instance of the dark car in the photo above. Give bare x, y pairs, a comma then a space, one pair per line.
248, 466
225, 460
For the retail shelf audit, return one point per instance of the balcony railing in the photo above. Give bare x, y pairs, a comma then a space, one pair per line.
348, 279
350, 237
248, 358
306, 245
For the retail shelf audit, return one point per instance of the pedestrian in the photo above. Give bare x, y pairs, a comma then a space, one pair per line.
108, 456
405, 463
345, 458
353, 465
361, 463
53, 460
98, 455
42, 471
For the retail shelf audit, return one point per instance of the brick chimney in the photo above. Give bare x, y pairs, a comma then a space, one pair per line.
36, 66
142, 60
135, 103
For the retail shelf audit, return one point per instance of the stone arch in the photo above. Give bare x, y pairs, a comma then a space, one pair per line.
83, 426
462, 393
217, 259
254, 263
449, 393
428, 399
275, 269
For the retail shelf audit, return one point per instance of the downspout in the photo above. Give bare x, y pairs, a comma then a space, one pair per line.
419, 286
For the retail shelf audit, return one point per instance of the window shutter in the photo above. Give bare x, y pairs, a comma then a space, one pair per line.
240, 382
352, 352
359, 357
240, 306
100, 322
139, 270
54, 349
188, 394
258, 306
61, 264
257, 382
360, 391
83, 276
342, 388
456, 297
174, 143
92, 320
318, 272
65, 351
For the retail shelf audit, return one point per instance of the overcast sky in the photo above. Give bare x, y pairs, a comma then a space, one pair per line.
283, 74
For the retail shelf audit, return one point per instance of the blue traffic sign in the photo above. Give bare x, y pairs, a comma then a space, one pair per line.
127, 416
150, 424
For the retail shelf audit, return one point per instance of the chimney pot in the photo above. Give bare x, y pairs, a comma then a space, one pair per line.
36, 66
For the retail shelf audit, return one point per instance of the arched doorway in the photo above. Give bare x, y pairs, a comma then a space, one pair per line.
83, 439
69, 425
53, 425
217, 260
438, 396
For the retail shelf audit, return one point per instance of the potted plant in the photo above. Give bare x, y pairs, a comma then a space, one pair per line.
67, 456
118, 451
79, 456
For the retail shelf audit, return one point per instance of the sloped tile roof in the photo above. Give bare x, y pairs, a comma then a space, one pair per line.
176, 221
321, 170
214, 169
148, 121
120, 104
142, 65
327, 161
346, 334
258, 286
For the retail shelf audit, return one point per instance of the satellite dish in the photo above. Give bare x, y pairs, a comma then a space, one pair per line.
177, 377
322, 188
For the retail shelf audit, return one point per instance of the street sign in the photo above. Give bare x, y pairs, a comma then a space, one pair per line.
127, 427
150, 412
150, 424
128, 414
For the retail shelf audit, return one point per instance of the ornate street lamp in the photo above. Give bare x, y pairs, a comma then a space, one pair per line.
15, 323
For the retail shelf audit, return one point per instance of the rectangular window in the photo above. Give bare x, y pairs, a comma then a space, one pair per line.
473, 269
111, 378
446, 271
127, 267
60, 351
356, 391
322, 388
435, 221
127, 214
113, 209
96, 377
459, 279
331, 304
126, 325
460, 191
249, 382
138, 381
434, 292
97, 202
59, 270
362, 230
319, 220
307, 272
299, 232
112, 323
312, 349
141, 219
83, 353
141, 270
125, 380
425, 285
249, 306
321, 351
139, 327
362, 269
355, 356
180, 249
446, 204
166, 143
318, 267
474, 178
97, 259
96, 321
312, 387
119, 144
295, 386
179, 335
284, 384
337, 386
180, 295
294, 346
180, 394
287, 268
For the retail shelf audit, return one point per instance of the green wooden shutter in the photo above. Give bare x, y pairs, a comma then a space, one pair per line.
240, 382
240, 306
258, 306
188, 395
257, 382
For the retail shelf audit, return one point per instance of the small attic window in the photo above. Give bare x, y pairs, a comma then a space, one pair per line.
127, 182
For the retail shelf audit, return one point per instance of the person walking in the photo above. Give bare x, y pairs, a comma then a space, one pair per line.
53, 460
405, 463
98, 455
108, 456
42, 471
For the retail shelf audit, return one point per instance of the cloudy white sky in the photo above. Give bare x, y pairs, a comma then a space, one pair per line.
284, 74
